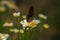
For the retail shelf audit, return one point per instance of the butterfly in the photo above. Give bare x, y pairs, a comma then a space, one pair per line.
30, 15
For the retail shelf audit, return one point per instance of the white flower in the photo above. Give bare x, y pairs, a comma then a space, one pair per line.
4, 36
24, 23
8, 24
42, 16
36, 21
16, 30
21, 31
16, 14
30, 24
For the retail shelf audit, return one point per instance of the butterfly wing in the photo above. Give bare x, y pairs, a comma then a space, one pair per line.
30, 14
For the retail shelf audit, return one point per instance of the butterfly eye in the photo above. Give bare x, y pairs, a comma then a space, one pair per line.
30, 14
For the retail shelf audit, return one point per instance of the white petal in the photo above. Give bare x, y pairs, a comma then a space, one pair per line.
42, 16
16, 14
22, 22
36, 21
45, 17
4, 36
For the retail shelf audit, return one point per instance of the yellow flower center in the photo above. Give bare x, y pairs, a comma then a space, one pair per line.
31, 24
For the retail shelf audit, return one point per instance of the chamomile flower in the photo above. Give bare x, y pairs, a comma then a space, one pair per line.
34, 23
4, 36
24, 23
29, 24
9, 24
16, 14
42, 16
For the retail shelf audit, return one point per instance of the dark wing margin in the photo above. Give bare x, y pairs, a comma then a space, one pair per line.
30, 14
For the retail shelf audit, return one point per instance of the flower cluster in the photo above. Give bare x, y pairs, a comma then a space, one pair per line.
26, 26
24, 22
30, 24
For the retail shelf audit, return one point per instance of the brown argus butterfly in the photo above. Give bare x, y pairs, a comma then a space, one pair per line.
30, 14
